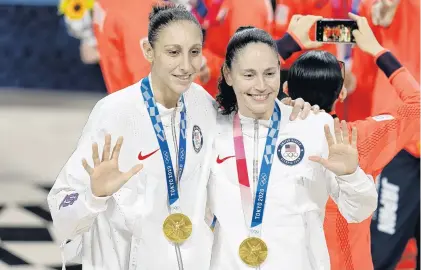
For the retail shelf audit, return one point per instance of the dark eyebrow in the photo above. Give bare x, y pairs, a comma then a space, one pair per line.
172, 45
271, 68
178, 46
248, 70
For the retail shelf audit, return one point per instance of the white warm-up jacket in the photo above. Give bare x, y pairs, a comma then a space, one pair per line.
297, 193
124, 231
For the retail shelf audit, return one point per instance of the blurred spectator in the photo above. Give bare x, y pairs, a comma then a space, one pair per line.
78, 19
120, 30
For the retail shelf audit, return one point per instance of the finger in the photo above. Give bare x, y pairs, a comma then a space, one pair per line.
338, 133
107, 148
387, 3
315, 108
306, 110
319, 160
312, 19
353, 16
328, 135
95, 155
364, 20
296, 17
357, 34
345, 132
354, 137
88, 168
117, 148
359, 20
298, 105
133, 171
286, 101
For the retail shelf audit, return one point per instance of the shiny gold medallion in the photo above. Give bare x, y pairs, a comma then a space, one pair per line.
177, 228
253, 251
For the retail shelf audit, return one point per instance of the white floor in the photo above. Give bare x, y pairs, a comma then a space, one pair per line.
38, 132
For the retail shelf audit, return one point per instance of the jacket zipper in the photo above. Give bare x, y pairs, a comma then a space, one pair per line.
174, 136
256, 162
255, 156
311, 258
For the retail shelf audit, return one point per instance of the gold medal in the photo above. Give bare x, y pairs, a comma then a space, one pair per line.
177, 228
253, 251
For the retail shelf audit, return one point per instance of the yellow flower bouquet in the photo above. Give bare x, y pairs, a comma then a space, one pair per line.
75, 9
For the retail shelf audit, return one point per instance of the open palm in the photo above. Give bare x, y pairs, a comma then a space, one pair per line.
343, 154
106, 177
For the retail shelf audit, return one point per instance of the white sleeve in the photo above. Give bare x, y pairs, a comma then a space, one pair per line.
355, 194
72, 205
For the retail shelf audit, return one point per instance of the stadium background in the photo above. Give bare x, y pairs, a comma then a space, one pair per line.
46, 94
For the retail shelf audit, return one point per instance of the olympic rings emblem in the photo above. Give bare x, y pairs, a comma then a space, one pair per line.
264, 179
290, 155
290, 151
166, 156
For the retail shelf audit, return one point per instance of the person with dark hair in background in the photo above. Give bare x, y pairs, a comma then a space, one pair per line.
167, 122
318, 77
263, 161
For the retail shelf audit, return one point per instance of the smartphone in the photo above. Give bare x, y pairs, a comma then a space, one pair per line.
335, 31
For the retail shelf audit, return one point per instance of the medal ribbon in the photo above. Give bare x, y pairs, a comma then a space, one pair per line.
265, 169
172, 188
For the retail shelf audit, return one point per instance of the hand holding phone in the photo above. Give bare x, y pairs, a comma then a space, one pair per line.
300, 26
335, 31
364, 36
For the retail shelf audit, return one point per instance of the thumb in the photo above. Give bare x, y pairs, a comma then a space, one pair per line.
319, 160
357, 34
134, 170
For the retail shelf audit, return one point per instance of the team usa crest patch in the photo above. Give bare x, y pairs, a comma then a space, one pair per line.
290, 151
197, 138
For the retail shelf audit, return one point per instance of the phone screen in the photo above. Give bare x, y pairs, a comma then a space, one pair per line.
335, 31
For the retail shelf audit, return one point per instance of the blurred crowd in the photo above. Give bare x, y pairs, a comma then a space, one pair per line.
111, 33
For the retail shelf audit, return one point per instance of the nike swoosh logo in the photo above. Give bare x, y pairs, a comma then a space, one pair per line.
220, 160
140, 157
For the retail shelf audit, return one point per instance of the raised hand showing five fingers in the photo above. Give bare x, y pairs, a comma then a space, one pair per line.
106, 178
343, 153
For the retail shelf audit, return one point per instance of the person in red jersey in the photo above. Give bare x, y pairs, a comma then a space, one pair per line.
397, 219
317, 77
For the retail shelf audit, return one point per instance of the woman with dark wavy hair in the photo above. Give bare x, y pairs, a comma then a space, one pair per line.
264, 161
